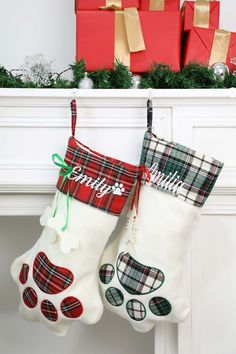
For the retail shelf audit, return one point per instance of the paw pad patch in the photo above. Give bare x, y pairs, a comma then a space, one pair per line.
24, 273
160, 306
106, 273
71, 307
138, 280
136, 310
114, 296
30, 298
49, 311
50, 278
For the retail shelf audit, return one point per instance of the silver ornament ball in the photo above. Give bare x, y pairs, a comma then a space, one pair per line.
220, 70
86, 82
136, 81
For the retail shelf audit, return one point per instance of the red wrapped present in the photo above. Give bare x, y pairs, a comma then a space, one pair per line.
209, 46
159, 5
201, 13
108, 4
106, 36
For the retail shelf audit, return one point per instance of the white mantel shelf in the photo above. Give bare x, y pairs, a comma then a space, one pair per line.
116, 93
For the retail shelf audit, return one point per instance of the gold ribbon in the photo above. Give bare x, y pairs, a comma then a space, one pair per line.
128, 33
133, 30
201, 13
220, 47
157, 5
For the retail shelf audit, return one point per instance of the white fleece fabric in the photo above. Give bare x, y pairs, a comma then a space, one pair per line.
73, 293
141, 272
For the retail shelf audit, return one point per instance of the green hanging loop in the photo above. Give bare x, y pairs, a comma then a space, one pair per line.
65, 172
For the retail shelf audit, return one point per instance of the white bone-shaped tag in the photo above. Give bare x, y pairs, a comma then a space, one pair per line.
55, 223
45, 216
67, 240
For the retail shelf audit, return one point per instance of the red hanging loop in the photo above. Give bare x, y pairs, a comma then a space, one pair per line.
73, 116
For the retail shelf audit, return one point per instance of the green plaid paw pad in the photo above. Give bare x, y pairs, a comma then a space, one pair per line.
106, 273
136, 310
179, 170
138, 280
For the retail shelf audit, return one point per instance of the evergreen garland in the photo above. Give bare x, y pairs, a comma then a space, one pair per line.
160, 76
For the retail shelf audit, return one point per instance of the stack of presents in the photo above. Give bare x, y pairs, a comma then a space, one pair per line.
139, 33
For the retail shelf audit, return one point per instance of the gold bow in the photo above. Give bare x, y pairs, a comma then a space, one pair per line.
112, 5
220, 47
128, 31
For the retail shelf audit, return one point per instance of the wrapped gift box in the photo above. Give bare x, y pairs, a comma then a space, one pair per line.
205, 14
102, 38
209, 46
159, 5
97, 4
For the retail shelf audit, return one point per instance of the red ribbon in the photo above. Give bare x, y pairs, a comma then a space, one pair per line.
143, 170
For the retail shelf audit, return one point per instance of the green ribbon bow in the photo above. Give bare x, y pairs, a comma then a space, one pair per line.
65, 172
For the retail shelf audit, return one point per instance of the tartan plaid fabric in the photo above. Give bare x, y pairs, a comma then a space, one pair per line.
106, 273
49, 311
50, 278
119, 176
30, 298
24, 273
114, 297
136, 310
71, 307
137, 278
160, 306
197, 171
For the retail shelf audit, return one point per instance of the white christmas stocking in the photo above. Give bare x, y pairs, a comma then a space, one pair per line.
141, 272
58, 277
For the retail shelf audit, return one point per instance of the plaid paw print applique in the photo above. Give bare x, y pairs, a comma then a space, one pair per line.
131, 285
50, 280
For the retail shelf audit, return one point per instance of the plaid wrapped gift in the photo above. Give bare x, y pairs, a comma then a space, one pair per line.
179, 166
97, 173
137, 278
50, 278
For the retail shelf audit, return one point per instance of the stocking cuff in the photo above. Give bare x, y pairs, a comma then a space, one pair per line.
179, 170
100, 181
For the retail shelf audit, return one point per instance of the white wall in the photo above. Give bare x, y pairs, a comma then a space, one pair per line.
48, 26
110, 335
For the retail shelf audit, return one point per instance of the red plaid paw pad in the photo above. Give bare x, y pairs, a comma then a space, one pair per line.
51, 279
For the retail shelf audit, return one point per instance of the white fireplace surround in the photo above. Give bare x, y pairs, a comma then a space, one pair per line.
34, 123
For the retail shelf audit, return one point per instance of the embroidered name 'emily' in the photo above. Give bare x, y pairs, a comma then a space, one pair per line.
97, 184
169, 182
